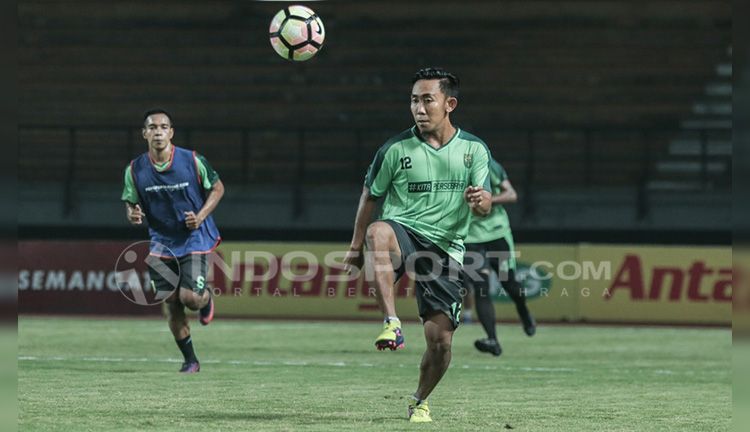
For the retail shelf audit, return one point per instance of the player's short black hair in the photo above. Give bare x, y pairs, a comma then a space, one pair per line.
448, 82
153, 111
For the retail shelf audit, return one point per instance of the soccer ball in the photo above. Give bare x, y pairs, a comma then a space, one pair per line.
296, 33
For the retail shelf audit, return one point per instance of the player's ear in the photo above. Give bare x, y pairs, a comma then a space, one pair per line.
171, 132
143, 133
451, 103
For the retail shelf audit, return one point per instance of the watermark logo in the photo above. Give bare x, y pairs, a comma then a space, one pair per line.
533, 283
156, 261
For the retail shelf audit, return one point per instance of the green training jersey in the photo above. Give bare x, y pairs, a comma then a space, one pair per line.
495, 225
208, 176
424, 186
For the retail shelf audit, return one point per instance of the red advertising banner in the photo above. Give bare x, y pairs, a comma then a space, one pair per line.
569, 283
75, 277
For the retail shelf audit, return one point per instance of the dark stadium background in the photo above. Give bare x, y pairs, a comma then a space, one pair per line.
613, 118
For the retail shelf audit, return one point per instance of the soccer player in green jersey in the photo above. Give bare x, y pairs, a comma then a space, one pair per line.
431, 177
491, 242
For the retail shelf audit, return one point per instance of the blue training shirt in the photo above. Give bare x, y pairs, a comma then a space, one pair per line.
166, 195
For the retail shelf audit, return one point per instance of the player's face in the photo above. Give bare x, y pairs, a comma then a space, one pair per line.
429, 105
158, 131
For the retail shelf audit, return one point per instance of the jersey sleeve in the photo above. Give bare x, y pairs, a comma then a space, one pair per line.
380, 173
129, 193
480, 172
208, 175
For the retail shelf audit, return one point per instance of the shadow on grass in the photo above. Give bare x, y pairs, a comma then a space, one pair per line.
299, 418
68, 367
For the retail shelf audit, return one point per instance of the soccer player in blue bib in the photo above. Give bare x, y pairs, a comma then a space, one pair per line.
176, 190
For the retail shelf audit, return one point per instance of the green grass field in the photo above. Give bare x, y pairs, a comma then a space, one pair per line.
117, 375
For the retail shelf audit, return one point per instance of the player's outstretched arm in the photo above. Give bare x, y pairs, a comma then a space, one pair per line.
479, 200
193, 221
365, 210
507, 195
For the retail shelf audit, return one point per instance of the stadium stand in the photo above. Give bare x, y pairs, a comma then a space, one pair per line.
633, 94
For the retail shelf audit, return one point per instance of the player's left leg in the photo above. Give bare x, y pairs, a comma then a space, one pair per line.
438, 333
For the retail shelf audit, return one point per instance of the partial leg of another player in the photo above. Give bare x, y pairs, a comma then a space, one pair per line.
467, 316
438, 333
506, 273
381, 246
486, 314
515, 292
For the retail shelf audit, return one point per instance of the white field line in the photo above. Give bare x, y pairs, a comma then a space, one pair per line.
277, 363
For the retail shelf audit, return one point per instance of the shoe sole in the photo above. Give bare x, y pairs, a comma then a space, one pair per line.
529, 324
189, 372
416, 419
481, 348
391, 345
529, 327
420, 421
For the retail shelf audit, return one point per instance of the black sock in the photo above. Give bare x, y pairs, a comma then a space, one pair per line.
186, 346
483, 305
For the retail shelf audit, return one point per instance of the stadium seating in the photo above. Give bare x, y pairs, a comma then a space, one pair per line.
564, 98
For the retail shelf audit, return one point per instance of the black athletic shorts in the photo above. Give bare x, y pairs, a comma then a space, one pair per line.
503, 259
442, 293
188, 272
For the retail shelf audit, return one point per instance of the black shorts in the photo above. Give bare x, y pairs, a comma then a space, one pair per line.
442, 291
503, 258
187, 272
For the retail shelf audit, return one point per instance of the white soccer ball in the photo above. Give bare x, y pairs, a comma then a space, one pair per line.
297, 33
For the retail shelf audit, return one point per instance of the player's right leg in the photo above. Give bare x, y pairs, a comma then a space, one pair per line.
178, 324
382, 246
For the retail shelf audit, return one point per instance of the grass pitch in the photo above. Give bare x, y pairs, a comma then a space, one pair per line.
118, 375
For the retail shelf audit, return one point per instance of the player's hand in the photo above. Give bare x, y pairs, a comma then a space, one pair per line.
355, 258
474, 195
193, 221
135, 215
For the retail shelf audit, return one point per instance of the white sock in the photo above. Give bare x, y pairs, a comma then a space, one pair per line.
392, 319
